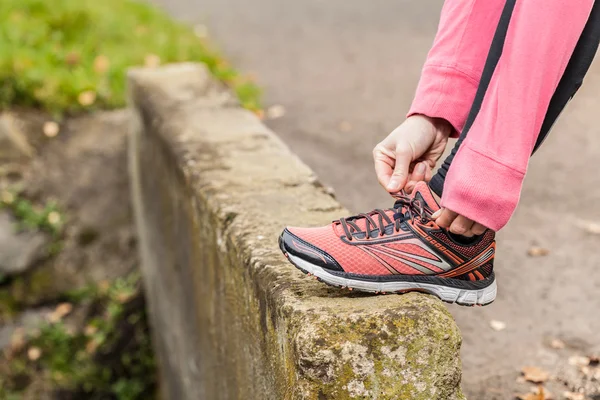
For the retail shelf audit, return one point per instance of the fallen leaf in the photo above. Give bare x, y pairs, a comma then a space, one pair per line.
7, 197
91, 346
34, 353
53, 217
123, 297
101, 64
497, 325
537, 393
537, 251
61, 311
531, 396
590, 227
103, 286
535, 374
574, 396
51, 129
72, 58
557, 344
260, 114
345, 126
141, 30
276, 111
201, 31
90, 330
152, 61
579, 361
87, 98
17, 340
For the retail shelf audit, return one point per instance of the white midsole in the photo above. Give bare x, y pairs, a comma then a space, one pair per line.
446, 293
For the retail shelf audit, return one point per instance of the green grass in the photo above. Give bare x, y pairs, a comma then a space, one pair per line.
52, 52
111, 358
32, 217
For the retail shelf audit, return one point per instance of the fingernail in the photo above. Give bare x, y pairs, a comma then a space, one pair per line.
436, 214
420, 168
393, 184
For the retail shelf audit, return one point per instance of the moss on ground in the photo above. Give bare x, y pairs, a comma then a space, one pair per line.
72, 55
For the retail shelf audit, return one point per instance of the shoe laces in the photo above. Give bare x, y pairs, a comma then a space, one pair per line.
405, 208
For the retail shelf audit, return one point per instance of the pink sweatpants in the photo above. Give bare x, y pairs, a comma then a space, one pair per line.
485, 178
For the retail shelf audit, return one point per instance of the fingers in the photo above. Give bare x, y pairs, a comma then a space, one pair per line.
457, 224
462, 226
418, 174
384, 164
400, 176
478, 229
444, 217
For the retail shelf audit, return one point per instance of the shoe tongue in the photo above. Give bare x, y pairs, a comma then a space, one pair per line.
423, 193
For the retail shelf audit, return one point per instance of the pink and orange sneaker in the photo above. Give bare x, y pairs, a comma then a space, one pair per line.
395, 251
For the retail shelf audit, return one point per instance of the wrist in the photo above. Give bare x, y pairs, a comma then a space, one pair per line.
441, 125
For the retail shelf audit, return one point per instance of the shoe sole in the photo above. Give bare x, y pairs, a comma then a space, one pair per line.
448, 294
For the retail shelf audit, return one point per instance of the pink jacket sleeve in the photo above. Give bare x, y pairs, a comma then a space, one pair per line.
455, 62
485, 179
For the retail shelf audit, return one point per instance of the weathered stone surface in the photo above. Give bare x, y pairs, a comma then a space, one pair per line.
19, 250
213, 189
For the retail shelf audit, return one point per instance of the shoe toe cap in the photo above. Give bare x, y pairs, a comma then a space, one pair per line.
292, 244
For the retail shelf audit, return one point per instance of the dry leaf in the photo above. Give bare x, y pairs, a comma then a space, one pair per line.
141, 30
90, 330
103, 286
535, 374
537, 395
201, 31
7, 197
345, 126
276, 111
17, 340
123, 297
579, 361
34, 353
53, 217
537, 251
62, 310
101, 64
574, 396
91, 346
51, 129
87, 98
589, 226
497, 325
152, 61
260, 114
557, 344
72, 58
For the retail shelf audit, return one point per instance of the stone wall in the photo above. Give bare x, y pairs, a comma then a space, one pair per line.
212, 189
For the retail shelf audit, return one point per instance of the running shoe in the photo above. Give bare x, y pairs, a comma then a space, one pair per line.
396, 251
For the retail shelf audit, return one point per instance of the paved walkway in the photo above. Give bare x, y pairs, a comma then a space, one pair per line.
345, 71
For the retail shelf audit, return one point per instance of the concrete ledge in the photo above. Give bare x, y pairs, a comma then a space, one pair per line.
213, 188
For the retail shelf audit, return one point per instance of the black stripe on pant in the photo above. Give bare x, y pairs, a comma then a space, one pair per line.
578, 65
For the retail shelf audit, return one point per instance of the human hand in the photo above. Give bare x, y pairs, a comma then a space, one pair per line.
456, 223
408, 154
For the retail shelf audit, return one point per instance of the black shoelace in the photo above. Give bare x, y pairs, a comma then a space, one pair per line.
405, 208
